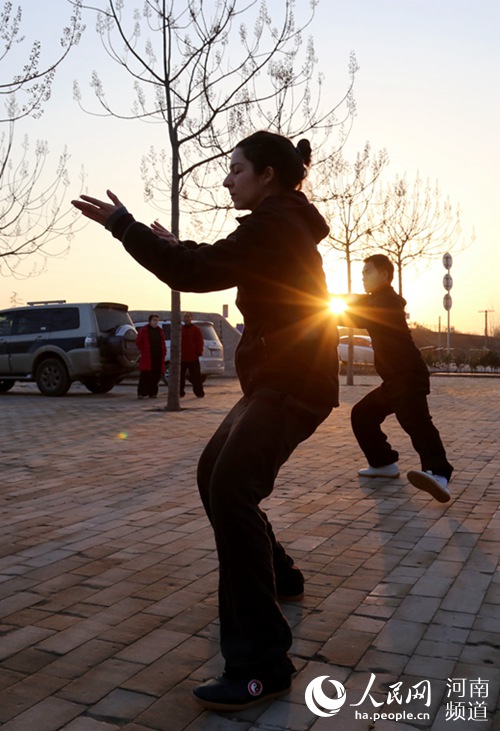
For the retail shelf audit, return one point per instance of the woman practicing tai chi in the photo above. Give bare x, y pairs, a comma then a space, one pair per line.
287, 364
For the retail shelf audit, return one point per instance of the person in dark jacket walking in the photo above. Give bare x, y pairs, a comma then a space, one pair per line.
404, 389
287, 364
151, 342
191, 349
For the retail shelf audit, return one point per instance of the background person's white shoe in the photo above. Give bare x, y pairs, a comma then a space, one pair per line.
435, 485
388, 470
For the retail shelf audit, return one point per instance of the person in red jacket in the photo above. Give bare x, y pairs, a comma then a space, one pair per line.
191, 349
151, 342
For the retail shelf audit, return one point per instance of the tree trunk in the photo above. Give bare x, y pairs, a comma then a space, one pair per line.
174, 376
350, 332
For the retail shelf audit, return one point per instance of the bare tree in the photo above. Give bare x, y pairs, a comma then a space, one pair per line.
31, 209
418, 226
346, 193
210, 79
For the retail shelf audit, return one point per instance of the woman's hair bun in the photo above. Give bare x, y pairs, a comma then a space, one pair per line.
305, 152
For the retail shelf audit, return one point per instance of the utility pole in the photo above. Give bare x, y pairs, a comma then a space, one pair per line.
485, 312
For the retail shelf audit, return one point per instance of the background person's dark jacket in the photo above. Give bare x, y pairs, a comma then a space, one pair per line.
397, 359
289, 342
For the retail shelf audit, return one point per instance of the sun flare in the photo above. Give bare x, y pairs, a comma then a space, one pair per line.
337, 305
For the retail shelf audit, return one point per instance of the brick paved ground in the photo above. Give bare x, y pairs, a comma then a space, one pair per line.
108, 613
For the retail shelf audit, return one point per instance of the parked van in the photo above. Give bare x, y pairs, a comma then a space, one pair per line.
212, 360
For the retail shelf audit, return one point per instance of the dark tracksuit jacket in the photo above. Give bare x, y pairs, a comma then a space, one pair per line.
272, 259
397, 359
287, 364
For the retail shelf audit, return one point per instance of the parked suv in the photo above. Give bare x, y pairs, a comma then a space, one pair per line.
212, 360
55, 343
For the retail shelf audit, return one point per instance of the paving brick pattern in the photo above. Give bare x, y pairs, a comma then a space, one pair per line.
108, 575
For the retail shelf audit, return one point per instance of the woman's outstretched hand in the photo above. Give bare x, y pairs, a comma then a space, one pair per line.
164, 233
96, 209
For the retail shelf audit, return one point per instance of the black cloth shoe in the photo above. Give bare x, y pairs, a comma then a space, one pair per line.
234, 694
290, 585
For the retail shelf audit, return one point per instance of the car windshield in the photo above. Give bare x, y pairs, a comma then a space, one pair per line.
109, 318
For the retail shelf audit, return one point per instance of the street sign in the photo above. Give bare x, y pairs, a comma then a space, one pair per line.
447, 282
447, 302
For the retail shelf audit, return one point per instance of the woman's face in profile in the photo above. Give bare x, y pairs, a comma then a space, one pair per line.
246, 187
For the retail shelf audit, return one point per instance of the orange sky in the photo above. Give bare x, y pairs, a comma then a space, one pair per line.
426, 91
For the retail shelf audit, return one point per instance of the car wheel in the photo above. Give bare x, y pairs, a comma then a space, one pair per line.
98, 384
52, 377
6, 386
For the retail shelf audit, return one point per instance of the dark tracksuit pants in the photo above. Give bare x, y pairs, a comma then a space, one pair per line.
148, 381
409, 404
193, 368
236, 472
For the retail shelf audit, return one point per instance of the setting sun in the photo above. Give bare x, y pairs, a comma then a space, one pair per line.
337, 305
